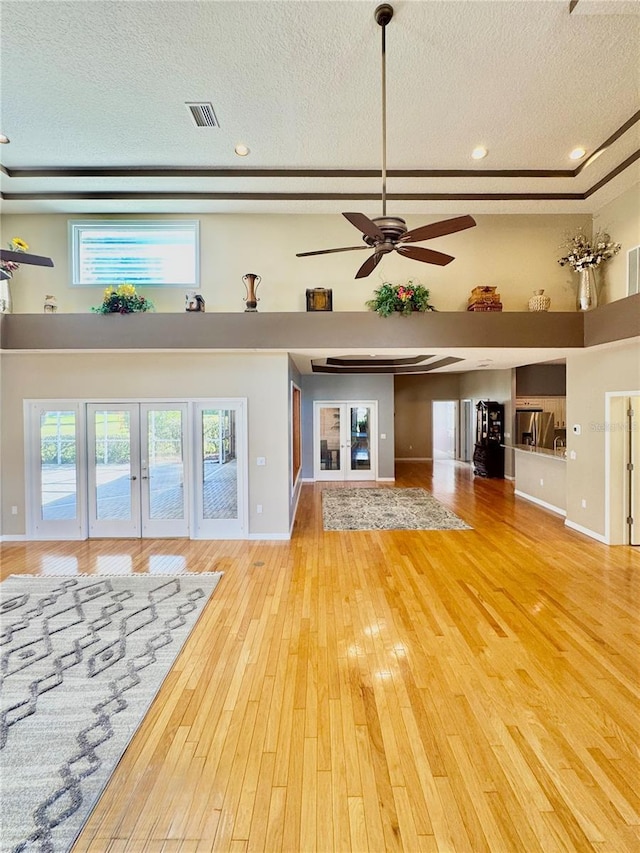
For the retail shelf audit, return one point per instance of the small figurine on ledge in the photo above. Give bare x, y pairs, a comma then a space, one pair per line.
194, 302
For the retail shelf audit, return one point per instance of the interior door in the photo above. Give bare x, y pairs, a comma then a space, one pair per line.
136, 470
344, 441
633, 469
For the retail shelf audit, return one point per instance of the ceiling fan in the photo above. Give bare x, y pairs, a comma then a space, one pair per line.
22, 258
384, 233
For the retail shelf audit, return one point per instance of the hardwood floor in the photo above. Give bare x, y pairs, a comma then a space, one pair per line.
395, 690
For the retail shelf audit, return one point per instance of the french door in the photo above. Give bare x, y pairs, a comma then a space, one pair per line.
130, 469
344, 441
136, 470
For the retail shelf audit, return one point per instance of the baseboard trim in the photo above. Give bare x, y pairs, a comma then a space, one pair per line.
585, 530
413, 459
541, 503
270, 536
308, 480
509, 477
386, 480
14, 537
294, 513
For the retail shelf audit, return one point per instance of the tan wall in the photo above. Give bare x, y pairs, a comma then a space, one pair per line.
413, 411
516, 253
542, 477
590, 375
262, 379
621, 219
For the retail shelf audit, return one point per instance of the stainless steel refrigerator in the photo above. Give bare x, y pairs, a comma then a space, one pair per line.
534, 427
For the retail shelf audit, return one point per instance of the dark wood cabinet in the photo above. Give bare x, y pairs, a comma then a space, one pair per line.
488, 454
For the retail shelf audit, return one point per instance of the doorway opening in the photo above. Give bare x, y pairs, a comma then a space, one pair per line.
444, 420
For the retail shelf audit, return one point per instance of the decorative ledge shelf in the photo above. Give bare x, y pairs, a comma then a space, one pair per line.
319, 330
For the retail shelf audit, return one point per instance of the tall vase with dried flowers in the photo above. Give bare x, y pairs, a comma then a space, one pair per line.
585, 256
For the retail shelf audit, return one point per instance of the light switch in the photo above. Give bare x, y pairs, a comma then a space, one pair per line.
383, 435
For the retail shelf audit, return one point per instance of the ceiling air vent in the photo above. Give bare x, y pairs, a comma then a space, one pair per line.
203, 114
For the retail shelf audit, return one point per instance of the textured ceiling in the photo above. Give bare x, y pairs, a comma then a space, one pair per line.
103, 85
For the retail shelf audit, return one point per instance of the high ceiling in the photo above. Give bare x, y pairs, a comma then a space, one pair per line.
93, 94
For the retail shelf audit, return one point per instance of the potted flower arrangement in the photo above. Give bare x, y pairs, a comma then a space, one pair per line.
584, 256
400, 298
123, 299
16, 245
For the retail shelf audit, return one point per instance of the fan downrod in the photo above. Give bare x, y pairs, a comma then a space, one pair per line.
383, 14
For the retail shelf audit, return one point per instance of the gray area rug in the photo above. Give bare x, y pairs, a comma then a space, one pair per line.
386, 509
82, 659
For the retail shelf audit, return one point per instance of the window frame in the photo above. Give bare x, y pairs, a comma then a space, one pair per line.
79, 227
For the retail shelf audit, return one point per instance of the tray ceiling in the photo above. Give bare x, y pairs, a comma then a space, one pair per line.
94, 99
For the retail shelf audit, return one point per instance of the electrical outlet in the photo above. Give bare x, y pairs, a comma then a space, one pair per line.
583, 503
572, 455
383, 435
541, 481
14, 510
261, 460
259, 509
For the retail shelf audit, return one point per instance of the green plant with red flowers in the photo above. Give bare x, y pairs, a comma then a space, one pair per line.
400, 299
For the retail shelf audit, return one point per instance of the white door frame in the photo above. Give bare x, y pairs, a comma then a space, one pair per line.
37, 527
78, 528
618, 499
345, 472
109, 528
217, 528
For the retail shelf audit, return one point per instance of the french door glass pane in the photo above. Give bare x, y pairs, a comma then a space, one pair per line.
219, 464
360, 438
330, 438
165, 464
113, 464
58, 475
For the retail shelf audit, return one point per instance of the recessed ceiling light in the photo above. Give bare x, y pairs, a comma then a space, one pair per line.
577, 153
479, 153
241, 150
4, 140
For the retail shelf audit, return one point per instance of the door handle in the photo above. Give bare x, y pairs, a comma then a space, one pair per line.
134, 477
144, 477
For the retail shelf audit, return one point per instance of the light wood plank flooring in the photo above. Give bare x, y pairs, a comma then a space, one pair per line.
398, 690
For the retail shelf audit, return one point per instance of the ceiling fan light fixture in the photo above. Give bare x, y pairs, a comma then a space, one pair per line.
577, 153
479, 152
385, 234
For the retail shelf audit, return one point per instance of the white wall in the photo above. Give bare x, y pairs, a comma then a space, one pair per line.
516, 253
262, 379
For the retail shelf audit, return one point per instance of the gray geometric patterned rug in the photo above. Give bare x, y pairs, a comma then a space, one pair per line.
386, 509
81, 659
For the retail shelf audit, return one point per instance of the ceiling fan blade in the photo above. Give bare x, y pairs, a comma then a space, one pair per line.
331, 251
4, 275
428, 256
364, 224
25, 258
438, 229
369, 265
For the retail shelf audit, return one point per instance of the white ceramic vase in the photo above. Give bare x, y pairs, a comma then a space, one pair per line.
539, 302
5, 296
587, 298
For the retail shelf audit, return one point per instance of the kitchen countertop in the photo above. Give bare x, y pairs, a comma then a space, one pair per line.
560, 453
